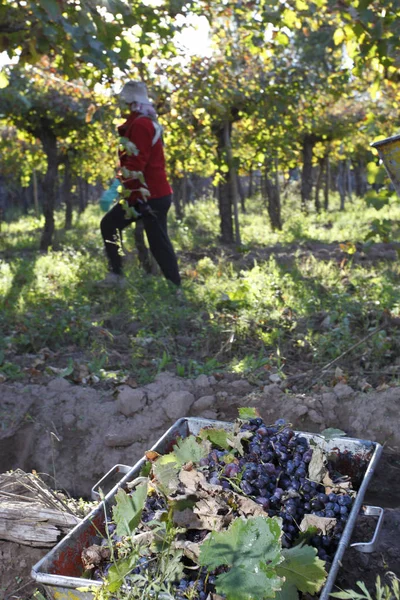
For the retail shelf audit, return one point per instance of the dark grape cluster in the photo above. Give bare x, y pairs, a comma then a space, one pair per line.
153, 504
274, 472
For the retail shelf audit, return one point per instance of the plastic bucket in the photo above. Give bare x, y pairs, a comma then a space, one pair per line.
389, 153
109, 196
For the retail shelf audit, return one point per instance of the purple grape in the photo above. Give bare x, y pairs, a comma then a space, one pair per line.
246, 487
290, 468
291, 510
307, 456
301, 441
269, 468
231, 470
263, 501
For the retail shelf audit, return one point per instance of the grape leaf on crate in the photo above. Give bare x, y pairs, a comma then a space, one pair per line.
128, 509
235, 440
316, 468
189, 450
332, 433
251, 548
166, 467
241, 584
166, 474
288, 592
323, 524
303, 569
246, 413
218, 437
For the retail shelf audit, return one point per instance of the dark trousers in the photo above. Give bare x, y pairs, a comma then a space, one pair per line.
157, 234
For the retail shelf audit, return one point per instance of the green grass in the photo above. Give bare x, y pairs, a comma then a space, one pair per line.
246, 313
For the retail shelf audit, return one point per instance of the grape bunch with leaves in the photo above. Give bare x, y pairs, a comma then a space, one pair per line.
248, 513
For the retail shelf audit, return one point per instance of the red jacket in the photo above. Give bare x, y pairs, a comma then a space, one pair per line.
141, 156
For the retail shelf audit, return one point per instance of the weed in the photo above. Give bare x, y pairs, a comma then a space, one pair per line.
11, 371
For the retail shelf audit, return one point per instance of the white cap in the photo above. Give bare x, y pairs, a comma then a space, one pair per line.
134, 91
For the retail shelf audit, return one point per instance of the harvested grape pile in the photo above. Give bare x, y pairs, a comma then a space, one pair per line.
239, 514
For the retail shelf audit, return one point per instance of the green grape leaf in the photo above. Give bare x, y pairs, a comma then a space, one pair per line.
128, 509
288, 592
218, 437
247, 413
189, 450
118, 571
166, 473
242, 584
303, 569
251, 549
332, 433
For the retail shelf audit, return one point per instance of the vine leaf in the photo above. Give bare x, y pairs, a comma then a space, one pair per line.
166, 473
189, 450
332, 433
251, 549
247, 413
127, 511
218, 437
118, 571
241, 584
167, 467
236, 440
302, 569
316, 467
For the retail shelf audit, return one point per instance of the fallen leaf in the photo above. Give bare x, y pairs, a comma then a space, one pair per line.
316, 468
94, 556
248, 507
339, 373
37, 363
340, 487
207, 509
323, 524
151, 455
194, 481
33, 372
190, 549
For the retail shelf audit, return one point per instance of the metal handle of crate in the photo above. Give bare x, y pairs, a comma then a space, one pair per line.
371, 511
123, 469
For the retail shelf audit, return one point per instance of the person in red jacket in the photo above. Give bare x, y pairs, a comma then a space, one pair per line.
147, 193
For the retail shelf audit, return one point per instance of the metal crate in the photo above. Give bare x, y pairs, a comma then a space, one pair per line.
60, 571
